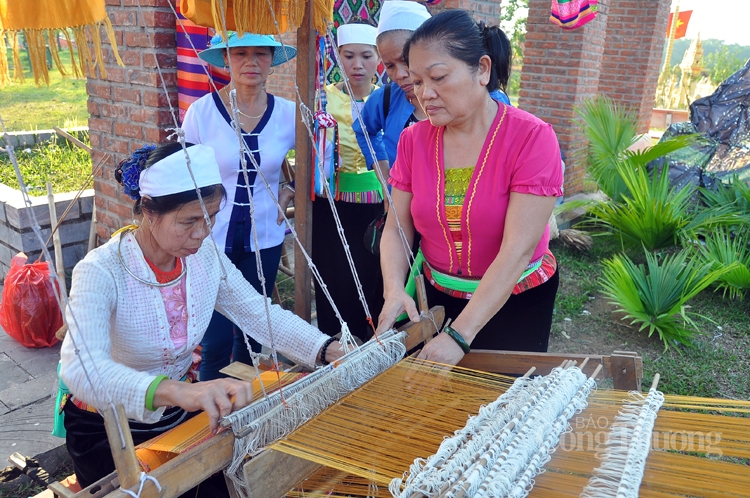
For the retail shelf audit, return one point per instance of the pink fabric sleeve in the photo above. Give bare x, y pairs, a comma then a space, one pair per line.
401, 170
538, 169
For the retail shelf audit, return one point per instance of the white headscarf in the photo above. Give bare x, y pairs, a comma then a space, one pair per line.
401, 14
171, 175
356, 33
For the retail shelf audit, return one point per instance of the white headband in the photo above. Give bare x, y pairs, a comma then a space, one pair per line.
356, 33
171, 175
401, 14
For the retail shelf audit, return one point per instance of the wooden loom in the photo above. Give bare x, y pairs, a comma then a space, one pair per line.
273, 473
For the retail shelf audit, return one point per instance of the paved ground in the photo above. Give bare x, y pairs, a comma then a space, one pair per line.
28, 386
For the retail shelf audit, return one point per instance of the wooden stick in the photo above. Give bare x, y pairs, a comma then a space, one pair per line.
126, 463
656, 381
70, 138
92, 230
59, 264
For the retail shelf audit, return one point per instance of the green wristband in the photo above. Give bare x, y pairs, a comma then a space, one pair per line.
152, 392
453, 334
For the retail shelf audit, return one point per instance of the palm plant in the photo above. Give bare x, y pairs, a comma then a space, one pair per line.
610, 130
723, 249
655, 296
735, 194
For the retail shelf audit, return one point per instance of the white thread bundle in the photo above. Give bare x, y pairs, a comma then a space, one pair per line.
629, 440
502, 448
268, 420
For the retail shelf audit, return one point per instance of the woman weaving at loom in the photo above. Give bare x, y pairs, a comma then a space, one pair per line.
140, 305
478, 183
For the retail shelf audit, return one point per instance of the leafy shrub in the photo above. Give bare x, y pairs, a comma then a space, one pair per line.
722, 249
736, 194
655, 296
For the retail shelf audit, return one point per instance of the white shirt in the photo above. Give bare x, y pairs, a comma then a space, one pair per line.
121, 327
205, 124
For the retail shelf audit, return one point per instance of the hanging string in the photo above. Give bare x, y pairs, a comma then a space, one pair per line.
371, 150
61, 298
180, 133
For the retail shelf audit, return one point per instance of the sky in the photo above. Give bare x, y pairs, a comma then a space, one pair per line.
727, 20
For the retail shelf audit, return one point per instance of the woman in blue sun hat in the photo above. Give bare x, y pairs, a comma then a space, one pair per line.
267, 124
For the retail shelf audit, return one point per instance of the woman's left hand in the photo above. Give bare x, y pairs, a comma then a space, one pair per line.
285, 197
334, 352
442, 349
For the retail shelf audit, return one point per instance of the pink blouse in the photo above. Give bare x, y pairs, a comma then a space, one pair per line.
520, 154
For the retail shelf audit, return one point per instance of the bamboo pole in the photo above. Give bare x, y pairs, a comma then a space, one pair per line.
303, 169
59, 264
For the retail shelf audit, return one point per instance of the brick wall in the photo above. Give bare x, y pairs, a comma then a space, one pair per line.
560, 70
281, 82
128, 108
482, 10
633, 54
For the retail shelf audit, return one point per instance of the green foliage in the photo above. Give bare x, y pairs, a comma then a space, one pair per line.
711, 47
651, 214
610, 129
655, 296
722, 64
736, 195
515, 27
66, 166
723, 249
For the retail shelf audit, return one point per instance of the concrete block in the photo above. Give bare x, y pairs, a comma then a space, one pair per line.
19, 214
86, 202
70, 233
3, 218
33, 391
5, 254
22, 355
30, 242
10, 237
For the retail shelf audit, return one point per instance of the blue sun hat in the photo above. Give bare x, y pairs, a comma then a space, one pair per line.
214, 54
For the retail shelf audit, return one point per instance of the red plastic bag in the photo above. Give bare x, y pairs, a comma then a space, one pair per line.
29, 312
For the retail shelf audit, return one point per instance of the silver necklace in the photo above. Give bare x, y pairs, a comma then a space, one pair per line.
247, 115
146, 282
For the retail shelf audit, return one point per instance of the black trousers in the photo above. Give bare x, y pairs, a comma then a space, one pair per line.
329, 256
522, 324
88, 446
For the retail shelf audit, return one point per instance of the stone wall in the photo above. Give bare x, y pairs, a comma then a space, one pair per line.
16, 234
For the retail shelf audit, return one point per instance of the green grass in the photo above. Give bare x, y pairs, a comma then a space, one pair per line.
66, 166
30, 107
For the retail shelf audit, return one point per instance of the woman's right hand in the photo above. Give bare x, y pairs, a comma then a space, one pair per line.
218, 398
395, 304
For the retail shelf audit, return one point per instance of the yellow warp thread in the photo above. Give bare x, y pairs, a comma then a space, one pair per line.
375, 433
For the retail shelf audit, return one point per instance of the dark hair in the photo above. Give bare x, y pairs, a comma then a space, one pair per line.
164, 204
468, 41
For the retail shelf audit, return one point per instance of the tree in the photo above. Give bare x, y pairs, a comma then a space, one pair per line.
722, 64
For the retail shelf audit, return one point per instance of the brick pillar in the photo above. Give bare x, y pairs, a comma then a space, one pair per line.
633, 54
281, 82
560, 70
481, 10
129, 108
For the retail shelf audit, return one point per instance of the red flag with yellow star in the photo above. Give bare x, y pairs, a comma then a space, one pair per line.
682, 24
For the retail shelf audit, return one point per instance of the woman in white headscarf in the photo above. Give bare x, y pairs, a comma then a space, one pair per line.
140, 304
359, 196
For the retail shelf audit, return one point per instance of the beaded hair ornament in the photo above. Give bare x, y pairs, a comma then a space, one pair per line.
128, 172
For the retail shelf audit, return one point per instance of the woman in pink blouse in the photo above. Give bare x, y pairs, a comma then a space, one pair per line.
479, 183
